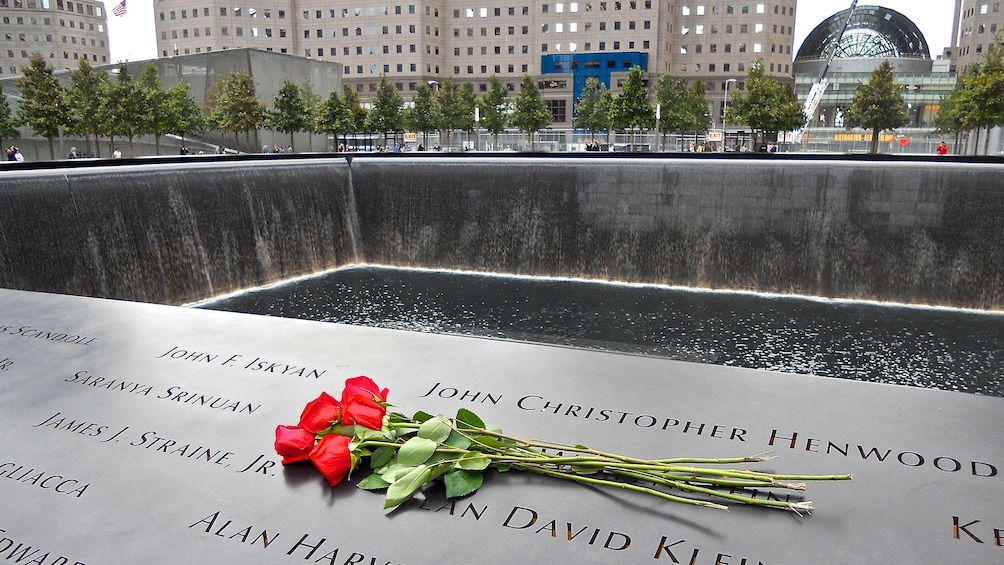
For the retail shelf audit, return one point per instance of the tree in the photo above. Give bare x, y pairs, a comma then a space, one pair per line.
455, 114
351, 101
877, 105
43, 105
631, 109
467, 102
335, 118
766, 106
495, 107
127, 107
529, 113
289, 114
86, 95
312, 106
235, 107
590, 113
185, 116
158, 118
424, 115
975, 102
8, 122
385, 114
683, 108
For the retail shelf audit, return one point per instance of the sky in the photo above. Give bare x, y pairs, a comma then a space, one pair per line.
132, 37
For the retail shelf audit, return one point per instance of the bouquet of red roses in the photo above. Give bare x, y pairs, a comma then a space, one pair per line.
406, 453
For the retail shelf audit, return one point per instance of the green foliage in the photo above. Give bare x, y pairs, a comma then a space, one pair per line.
631, 109
424, 115
127, 107
312, 108
877, 105
86, 96
495, 107
976, 100
590, 112
8, 122
289, 113
43, 106
530, 113
158, 119
351, 102
456, 105
185, 117
386, 111
335, 117
233, 105
766, 106
683, 108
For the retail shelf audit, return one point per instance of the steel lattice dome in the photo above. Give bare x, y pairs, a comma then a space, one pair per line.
873, 32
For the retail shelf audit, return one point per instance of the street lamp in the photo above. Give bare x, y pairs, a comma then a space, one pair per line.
725, 108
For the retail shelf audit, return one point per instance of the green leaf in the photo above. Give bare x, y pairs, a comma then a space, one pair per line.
473, 462
402, 489
395, 472
416, 451
373, 482
436, 429
465, 416
382, 456
483, 443
457, 440
462, 483
502, 467
581, 447
421, 416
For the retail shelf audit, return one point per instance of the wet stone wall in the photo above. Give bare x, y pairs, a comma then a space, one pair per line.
924, 232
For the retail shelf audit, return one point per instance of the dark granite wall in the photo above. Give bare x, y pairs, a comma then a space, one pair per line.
927, 232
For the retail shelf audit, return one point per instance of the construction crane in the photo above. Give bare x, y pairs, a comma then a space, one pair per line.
819, 87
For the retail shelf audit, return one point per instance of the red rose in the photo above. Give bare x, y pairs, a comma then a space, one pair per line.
332, 457
320, 413
362, 403
293, 443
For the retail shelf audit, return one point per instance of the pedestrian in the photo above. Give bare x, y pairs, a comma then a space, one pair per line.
18, 156
184, 150
72, 154
264, 148
943, 148
116, 154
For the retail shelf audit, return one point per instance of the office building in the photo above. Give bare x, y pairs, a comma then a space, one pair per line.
560, 43
63, 31
978, 24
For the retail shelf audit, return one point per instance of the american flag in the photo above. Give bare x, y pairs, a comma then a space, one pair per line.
120, 9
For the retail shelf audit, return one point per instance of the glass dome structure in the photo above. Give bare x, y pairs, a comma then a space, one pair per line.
873, 32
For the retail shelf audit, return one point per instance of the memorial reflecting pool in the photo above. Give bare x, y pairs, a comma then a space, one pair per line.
932, 348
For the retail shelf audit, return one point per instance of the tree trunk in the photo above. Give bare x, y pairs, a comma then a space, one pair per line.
52, 149
290, 141
132, 152
97, 146
986, 142
976, 144
873, 148
156, 142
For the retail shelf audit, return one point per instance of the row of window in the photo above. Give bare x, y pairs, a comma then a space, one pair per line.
700, 10
37, 38
984, 10
52, 55
48, 22
727, 67
80, 7
740, 47
700, 29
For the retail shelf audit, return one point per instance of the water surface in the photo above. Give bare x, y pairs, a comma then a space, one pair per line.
933, 348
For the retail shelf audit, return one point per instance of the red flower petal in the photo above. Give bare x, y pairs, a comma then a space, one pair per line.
364, 411
360, 384
320, 413
332, 457
361, 403
293, 443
